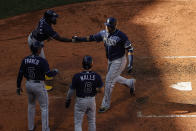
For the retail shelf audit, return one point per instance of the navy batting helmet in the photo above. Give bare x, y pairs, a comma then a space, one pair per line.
51, 16
87, 62
35, 46
111, 22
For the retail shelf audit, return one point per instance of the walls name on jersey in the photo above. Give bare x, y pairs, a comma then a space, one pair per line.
87, 77
31, 61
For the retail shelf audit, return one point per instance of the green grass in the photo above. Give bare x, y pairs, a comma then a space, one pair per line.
10, 8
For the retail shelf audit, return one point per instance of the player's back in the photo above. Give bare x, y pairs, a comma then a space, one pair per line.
86, 83
34, 67
43, 31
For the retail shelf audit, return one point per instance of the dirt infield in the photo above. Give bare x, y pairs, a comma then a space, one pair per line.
163, 33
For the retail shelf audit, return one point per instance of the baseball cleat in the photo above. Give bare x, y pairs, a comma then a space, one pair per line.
103, 109
132, 87
33, 129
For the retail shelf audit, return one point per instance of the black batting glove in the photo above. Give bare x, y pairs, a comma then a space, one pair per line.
67, 103
79, 39
55, 72
74, 39
18, 91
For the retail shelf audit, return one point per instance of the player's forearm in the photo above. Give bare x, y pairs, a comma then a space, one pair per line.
70, 93
80, 39
19, 79
62, 39
130, 57
84, 39
65, 39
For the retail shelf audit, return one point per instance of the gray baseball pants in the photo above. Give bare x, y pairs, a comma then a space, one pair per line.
31, 41
83, 106
115, 68
37, 91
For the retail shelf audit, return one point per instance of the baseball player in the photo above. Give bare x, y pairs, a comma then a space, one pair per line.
34, 68
86, 84
44, 30
116, 43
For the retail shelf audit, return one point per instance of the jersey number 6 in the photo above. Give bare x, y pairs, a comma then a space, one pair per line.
88, 87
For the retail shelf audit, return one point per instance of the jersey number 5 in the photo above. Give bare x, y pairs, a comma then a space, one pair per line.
31, 73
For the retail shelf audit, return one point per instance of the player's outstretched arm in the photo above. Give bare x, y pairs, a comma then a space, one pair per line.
62, 39
80, 39
96, 37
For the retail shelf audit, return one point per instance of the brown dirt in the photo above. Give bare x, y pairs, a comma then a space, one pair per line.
157, 28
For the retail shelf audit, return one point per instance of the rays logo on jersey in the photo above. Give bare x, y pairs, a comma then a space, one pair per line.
111, 41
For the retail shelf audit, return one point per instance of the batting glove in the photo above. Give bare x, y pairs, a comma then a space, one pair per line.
67, 103
18, 91
74, 39
56, 70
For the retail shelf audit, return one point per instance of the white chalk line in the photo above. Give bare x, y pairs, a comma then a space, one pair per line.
140, 115
174, 57
169, 57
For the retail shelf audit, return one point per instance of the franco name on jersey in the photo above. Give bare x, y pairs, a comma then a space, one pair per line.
31, 61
